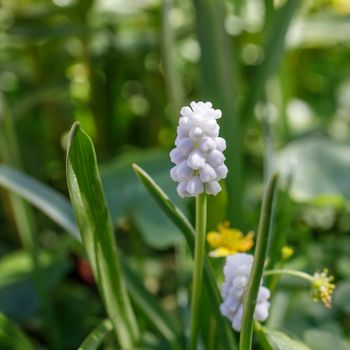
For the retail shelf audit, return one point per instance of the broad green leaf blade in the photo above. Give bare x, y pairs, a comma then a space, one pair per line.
52, 203
97, 336
273, 47
320, 169
280, 341
12, 337
186, 228
152, 309
95, 225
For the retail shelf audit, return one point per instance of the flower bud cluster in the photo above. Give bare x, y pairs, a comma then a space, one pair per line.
198, 155
237, 270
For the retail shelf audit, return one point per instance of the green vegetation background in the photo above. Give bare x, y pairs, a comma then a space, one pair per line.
281, 75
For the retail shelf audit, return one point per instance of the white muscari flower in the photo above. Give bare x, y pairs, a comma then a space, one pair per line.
198, 155
237, 270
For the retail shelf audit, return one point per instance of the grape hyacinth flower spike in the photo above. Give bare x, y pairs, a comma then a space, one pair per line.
198, 155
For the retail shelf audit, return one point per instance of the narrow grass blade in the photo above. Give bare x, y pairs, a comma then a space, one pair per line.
95, 225
186, 228
51, 202
258, 265
273, 47
12, 337
97, 336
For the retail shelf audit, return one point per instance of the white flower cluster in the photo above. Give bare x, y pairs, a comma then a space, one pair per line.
237, 271
198, 153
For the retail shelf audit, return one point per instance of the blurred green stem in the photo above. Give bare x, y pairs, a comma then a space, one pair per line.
219, 77
201, 220
294, 273
25, 222
258, 265
171, 75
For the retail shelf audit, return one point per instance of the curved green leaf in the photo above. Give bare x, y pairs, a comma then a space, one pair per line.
175, 214
12, 337
96, 229
52, 203
97, 336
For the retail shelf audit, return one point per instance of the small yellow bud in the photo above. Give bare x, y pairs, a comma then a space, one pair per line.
286, 252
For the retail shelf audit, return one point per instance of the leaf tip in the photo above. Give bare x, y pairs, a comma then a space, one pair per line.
74, 129
136, 168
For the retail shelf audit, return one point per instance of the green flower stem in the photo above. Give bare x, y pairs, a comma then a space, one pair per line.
201, 220
294, 273
258, 266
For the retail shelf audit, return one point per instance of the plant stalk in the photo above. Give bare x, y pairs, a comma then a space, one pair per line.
287, 272
201, 220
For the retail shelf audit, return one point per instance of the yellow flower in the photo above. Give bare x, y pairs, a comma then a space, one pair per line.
286, 252
322, 288
227, 241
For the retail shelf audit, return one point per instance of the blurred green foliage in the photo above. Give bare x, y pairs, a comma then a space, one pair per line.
122, 69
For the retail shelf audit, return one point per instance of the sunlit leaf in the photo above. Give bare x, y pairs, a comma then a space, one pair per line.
97, 336
96, 229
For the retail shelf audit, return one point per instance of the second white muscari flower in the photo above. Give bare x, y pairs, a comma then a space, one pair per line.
237, 270
198, 155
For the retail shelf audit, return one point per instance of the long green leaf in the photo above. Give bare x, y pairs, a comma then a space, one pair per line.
273, 47
95, 225
12, 337
186, 228
52, 203
97, 336
57, 207
217, 82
